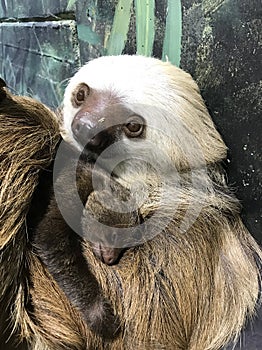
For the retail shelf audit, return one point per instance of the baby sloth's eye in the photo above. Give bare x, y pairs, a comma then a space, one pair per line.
81, 94
134, 126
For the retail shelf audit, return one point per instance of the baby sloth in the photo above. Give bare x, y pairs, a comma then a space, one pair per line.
61, 249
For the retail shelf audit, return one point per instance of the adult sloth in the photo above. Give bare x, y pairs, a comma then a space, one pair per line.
192, 284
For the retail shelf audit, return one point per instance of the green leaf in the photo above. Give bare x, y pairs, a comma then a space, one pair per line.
118, 36
145, 26
70, 5
172, 41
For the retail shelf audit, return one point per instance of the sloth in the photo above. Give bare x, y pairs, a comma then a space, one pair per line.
189, 279
24, 119
145, 122
60, 248
29, 138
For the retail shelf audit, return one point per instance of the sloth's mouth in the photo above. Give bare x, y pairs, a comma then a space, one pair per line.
92, 155
104, 163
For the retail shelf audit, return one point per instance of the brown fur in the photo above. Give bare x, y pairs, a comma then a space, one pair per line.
180, 291
61, 249
29, 135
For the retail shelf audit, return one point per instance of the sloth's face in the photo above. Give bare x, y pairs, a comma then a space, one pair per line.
100, 120
146, 109
114, 99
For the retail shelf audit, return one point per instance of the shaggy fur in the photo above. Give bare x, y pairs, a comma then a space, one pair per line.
29, 136
184, 289
60, 248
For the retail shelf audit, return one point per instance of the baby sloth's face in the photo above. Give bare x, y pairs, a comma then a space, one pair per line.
108, 218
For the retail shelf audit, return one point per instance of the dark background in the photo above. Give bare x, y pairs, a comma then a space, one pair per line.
221, 48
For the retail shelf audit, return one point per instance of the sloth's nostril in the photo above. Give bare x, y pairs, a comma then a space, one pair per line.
89, 135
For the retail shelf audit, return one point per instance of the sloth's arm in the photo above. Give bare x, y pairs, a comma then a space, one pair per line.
60, 249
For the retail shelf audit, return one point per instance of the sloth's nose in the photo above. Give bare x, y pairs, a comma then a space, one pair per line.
88, 134
107, 255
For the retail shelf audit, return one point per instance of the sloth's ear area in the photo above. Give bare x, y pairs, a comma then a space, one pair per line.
2, 90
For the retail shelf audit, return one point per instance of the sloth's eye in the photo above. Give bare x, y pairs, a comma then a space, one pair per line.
81, 94
134, 126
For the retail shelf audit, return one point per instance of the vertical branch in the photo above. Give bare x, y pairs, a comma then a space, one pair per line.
173, 33
145, 26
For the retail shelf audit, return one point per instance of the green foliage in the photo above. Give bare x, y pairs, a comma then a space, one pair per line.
118, 35
173, 32
145, 29
70, 5
145, 26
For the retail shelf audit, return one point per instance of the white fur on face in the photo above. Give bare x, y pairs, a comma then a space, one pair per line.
127, 77
163, 94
